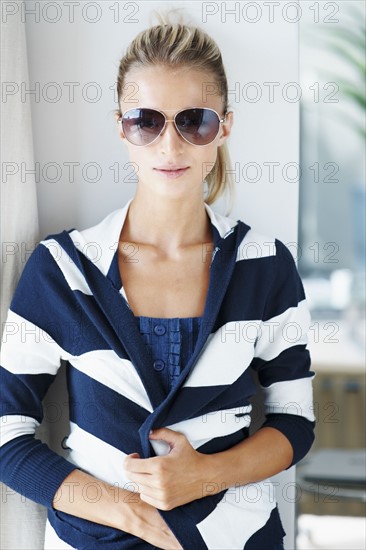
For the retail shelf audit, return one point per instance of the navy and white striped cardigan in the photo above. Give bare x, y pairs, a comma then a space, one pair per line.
70, 305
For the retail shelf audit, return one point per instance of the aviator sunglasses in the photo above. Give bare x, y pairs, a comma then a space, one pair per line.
198, 126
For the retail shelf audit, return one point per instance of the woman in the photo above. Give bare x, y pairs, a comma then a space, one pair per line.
161, 332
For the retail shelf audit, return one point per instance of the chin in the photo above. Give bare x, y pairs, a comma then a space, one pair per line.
173, 190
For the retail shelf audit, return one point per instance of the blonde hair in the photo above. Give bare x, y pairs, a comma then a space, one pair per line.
175, 44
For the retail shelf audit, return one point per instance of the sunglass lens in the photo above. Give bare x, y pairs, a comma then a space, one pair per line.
142, 126
198, 126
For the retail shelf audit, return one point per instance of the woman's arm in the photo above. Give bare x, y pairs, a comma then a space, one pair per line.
262, 455
116, 507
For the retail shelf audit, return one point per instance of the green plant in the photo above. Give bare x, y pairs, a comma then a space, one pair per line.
347, 40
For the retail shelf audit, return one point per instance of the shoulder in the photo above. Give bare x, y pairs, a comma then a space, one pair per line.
106, 228
97, 242
254, 244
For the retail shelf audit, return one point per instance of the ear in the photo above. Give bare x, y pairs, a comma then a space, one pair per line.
225, 129
119, 126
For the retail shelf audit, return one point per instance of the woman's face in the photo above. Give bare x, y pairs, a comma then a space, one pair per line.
169, 91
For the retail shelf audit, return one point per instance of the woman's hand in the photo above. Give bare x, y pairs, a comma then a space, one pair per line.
151, 527
123, 510
168, 481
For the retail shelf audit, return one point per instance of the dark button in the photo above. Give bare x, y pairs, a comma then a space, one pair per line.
63, 442
159, 364
159, 330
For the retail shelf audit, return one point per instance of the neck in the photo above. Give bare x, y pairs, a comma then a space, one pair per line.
167, 223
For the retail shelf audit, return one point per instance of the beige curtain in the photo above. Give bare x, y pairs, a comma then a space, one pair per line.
22, 521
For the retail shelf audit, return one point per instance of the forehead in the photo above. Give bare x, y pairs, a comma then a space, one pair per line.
170, 89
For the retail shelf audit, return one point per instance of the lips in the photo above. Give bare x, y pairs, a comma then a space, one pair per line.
172, 172
171, 168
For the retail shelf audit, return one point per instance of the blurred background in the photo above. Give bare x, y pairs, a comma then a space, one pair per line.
331, 262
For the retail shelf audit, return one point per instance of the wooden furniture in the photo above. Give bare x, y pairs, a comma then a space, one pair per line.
339, 403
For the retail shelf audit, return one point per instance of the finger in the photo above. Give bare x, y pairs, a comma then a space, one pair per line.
166, 434
141, 479
152, 501
139, 465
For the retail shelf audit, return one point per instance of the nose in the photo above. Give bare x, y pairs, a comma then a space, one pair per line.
170, 138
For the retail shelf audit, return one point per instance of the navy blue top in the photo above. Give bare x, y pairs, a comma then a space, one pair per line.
171, 342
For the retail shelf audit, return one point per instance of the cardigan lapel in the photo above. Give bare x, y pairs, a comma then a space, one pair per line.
221, 271
113, 318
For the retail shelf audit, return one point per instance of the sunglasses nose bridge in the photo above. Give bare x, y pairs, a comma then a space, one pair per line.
167, 120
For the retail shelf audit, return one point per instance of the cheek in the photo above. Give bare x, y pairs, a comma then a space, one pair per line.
137, 160
208, 160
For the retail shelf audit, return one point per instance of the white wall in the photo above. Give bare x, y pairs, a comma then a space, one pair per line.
84, 132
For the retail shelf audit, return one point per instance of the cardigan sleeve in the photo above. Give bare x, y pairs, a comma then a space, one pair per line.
282, 359
36, 337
